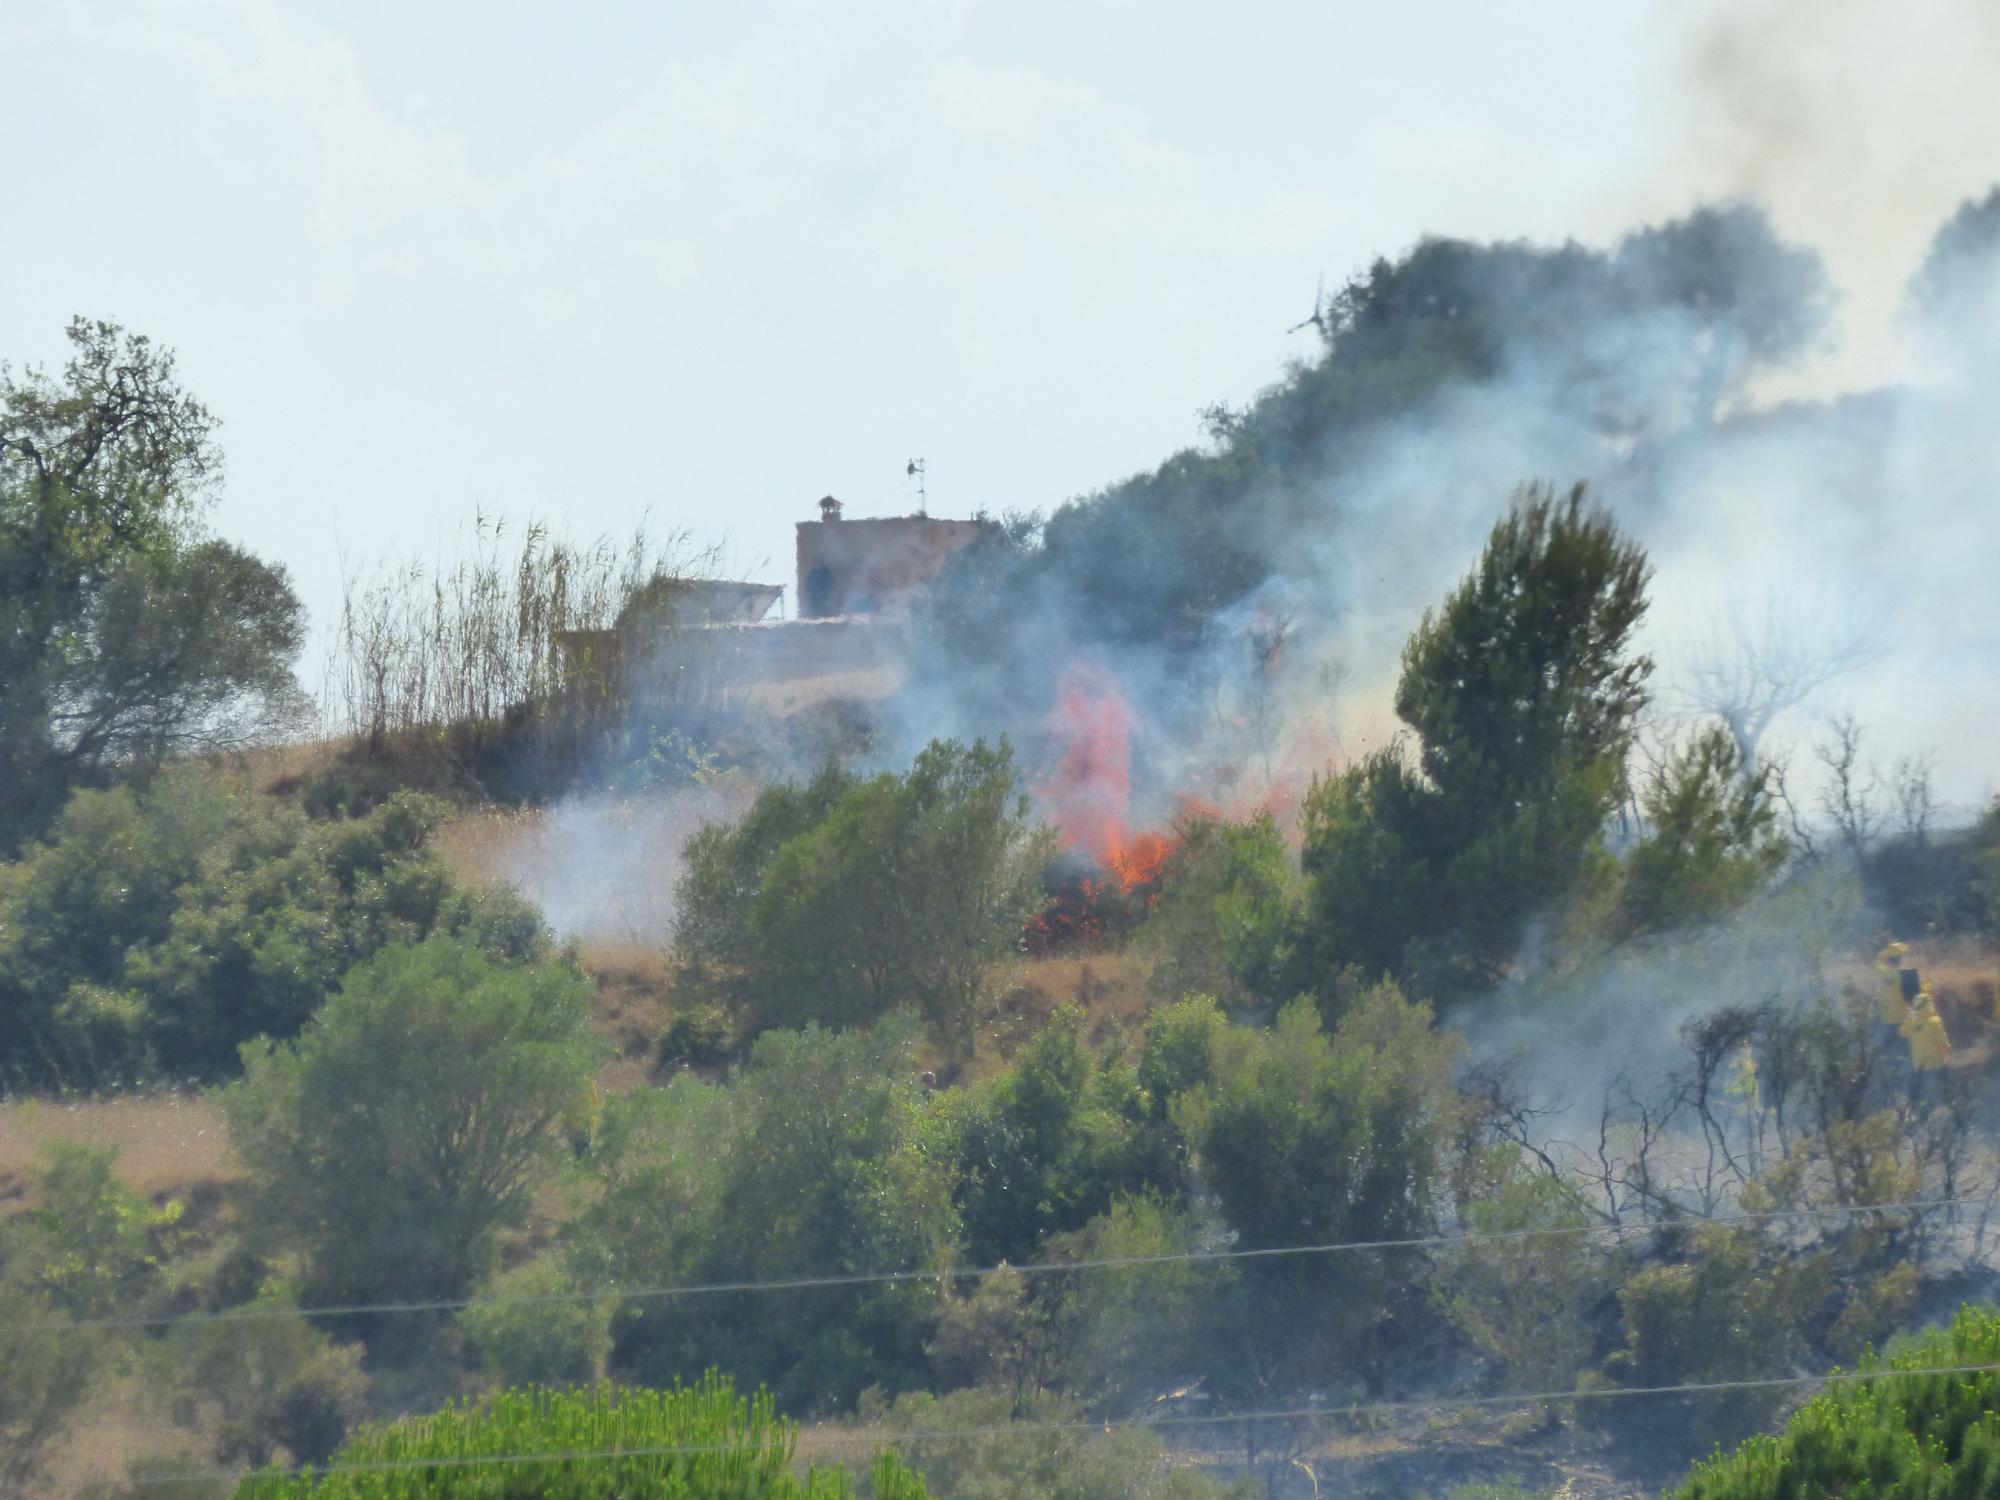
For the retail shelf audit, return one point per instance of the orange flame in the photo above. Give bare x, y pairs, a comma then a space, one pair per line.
1090, 795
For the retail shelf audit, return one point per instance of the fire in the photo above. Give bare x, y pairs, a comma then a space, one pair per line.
1139, 860
1090, 794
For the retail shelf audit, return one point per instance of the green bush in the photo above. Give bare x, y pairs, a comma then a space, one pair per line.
265, 1386
845, 899
1310, 1136
698, 1035
1524, 1301
1225, 913
158, 931
688, 1443
534, 1328
1903, 1436
1044, 1146
409, 1122
92, 1244
1736, 1309
1712, 839
89, 1249
824, 1156
1099, 1333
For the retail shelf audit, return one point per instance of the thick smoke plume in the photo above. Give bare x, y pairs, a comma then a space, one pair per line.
1247, 601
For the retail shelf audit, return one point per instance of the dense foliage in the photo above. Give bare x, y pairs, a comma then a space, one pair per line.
90, 1249
689, 1443
1523, 698
1895, 1435
124, 633
821, 1159
845, 899
392, 1141
159, 930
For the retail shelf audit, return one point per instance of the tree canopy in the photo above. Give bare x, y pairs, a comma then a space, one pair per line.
1523, 697
123, 632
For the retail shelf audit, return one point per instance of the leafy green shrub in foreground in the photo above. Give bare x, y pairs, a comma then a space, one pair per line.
1929, 1435
701, 1442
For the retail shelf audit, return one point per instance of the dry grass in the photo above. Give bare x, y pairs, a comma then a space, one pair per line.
167, 1143
276, 770
1113, 989
482, 847
119, 1424
634, 1005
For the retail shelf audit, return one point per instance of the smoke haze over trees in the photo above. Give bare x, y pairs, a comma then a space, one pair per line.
1332, 507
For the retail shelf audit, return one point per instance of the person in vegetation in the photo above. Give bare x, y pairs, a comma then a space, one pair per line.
1906, 1005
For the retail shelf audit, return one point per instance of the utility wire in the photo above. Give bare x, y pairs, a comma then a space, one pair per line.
919, 1436
254, 1313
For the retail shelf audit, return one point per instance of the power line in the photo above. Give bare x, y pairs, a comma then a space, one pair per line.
255, 1313
920, 1436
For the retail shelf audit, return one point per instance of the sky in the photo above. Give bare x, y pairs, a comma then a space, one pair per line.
709, 263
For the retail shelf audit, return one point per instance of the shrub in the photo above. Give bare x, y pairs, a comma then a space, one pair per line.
698, 1035
46, 1367
269, 1385
824, 1156
1903, 1436
844, 900
1306, 1136
1712, 840
1225, 912
92, 1244
158, 931
701, 1440
1524, 1300
1735, 1310
407, 1125
1042, 1147
533, 1328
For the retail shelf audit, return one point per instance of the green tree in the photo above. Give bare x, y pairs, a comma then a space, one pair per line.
823, 1157
263, 1386
411, 1120
159, 930
1712, 839
89, 1249
47, 1367
1044, 1146
534, 1327
1226, 911
1522, 696
905, 890
1308, 1136
121, 634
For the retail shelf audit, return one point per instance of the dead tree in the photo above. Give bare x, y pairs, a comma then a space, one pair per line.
1755, 667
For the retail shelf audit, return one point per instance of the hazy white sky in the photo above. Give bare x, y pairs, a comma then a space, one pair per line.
580, 261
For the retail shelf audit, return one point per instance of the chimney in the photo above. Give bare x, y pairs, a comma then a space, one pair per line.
829, 508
